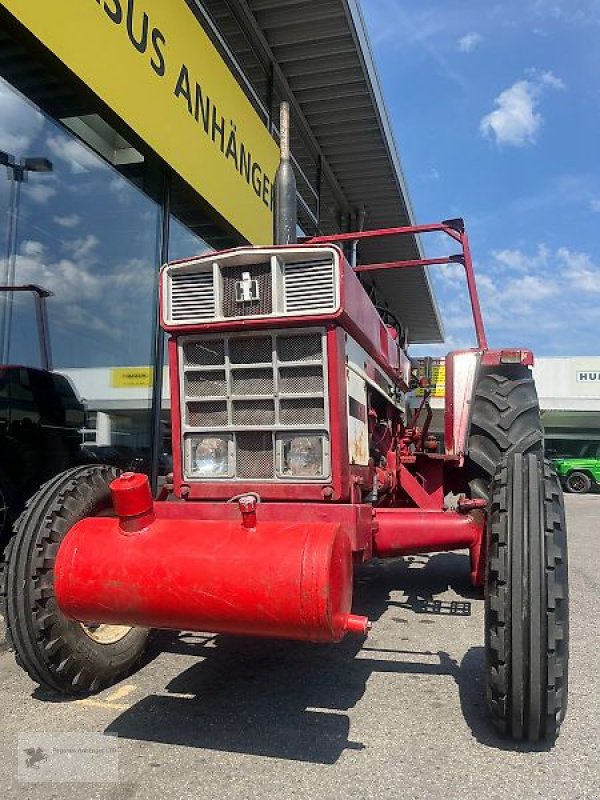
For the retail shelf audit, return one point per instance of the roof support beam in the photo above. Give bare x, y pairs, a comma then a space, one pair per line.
246, 19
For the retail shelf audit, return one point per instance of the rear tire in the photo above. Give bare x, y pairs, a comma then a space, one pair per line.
578, 483
526, 600
59, 653
505, 419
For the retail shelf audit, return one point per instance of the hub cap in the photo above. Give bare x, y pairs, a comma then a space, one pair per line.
576, 483
106, 634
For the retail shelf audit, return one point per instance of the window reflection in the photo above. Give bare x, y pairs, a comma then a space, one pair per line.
89, 236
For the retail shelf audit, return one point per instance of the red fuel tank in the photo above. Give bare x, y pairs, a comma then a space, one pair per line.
285, 580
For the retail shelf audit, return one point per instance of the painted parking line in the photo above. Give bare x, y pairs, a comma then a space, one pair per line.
109, 702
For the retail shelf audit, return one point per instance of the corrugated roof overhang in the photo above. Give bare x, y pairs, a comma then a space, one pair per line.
321, 50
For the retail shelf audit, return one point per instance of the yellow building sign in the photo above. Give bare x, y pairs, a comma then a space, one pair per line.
131, 377
437, 377
152, 63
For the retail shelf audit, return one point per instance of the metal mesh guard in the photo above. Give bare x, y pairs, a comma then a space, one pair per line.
206, 384
253, 381
305, 347
253, 350
253, 412
207, 415
309, 411
254, 455
301, 380
205, 354
261, 273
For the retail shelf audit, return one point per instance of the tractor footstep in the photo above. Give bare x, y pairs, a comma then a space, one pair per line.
454, 608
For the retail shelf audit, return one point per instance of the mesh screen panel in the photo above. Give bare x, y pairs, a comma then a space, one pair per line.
206, 384
285, 394
261, 273
205, 354
309, 411
250, 350
253, 412
301, 380
207, 415
252, 381
299, 348
254, 455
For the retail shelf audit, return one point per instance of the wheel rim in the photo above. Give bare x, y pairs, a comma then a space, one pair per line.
106, 634
576, 483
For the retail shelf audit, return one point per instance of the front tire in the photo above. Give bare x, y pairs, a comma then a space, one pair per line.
58, 653
526, 600
505, 419
578, 483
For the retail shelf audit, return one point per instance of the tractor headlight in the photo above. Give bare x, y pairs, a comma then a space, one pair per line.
302, 455
208, 456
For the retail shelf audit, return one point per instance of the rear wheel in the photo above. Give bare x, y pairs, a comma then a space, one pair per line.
526, 600
59, 653
505, 418
578, 482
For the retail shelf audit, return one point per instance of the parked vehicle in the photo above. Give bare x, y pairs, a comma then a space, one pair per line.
582, 473
41, 418
294, 460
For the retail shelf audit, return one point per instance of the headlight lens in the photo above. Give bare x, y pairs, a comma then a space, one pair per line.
302, 456
209, 456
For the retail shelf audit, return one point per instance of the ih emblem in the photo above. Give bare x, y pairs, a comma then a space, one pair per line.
246, 290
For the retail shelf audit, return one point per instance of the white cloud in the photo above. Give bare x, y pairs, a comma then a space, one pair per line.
69, 221
526, 296
20, 123
39, 192
580, 269
519, 261
73, 153
595, 204
32, 248
548, 79
83, 247
468, 42
516, 120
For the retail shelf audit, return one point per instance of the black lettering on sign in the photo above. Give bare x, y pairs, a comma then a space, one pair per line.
182, 87
256, 178
202, 105
142, 44
158, 62
114, 10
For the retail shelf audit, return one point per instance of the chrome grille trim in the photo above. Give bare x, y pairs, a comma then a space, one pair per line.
226, 391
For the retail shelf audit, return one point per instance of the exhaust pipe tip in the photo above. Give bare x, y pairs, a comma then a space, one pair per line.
285, 206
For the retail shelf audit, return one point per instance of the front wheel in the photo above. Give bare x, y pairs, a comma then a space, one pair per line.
59, 653
526, 600
578, 483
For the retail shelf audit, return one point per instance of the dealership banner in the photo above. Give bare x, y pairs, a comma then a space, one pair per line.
152, 63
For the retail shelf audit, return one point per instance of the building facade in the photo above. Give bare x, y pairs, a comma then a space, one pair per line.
138, 131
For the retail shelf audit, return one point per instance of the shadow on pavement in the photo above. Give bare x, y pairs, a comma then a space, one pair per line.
287, 699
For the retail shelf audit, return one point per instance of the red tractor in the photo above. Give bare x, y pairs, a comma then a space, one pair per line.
296, 458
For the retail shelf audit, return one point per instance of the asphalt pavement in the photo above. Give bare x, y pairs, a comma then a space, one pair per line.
400, 715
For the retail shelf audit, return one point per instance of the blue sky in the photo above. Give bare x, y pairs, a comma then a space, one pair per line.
496, 113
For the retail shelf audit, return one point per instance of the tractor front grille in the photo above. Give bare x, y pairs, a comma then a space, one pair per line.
247, 391
253, 282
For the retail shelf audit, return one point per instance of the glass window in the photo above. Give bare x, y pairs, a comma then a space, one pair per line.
183, 243
89, 236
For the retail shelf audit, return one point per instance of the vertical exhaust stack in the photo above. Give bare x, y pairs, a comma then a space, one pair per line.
285, 210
